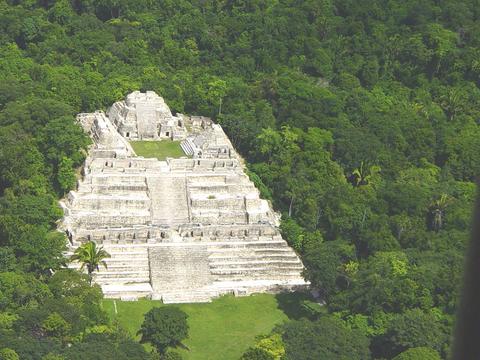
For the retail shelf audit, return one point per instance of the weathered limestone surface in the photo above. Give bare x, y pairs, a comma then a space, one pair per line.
181, 230
146, 116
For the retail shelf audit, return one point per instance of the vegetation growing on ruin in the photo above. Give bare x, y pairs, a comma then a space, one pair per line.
158, 149
359, 118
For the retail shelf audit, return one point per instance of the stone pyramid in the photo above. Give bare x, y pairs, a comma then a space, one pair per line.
180, 230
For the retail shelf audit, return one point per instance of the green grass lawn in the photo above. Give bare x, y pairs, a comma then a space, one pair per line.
158, 149
223, 329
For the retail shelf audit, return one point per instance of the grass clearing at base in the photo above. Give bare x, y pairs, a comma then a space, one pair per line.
222, 329
158, 149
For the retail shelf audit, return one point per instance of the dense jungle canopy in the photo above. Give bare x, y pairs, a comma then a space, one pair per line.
359, 120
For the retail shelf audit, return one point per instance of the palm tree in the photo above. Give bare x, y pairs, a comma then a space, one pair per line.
437, 209
364, 174
91, 257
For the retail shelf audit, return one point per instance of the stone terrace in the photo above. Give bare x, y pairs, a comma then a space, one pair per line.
181, 230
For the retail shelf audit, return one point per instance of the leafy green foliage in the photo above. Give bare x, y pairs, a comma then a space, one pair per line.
66, 174
164, 327
8, 354
257, 354
90, 257
418, 353
326, 338
327, 266
104, 346
414, 329
358, 120
266, 348
55, 325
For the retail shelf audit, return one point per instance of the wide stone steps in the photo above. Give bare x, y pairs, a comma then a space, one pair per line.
169, 201
248, 253
120, 258
253, 245
276, 250
126, 267
127, 255
119, 179
263, 274
255, 267
240, 279
227, 239
119, 213
112, 219
113, 204
123, 249
128, 241
128, 248
118, 189
120, 280
120, 265
219, 188
235, 247
267, 238
232, 203
267, 246
131, 257
255, 263
250, 257
127, 291
185, 297
187, 147
218, 216
117, 277
110, 197
254, 260
128, 273
255, 240
199, 183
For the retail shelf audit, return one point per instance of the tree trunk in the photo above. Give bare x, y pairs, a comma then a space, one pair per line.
90, 274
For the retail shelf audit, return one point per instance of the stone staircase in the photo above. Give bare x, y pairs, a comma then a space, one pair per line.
186, 297
188, 147
168, 200
127, 275
94, 220
109, 201
180, 272
204, 269
240, 266
253, 260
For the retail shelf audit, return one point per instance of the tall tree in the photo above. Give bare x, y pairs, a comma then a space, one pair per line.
90, 257
164, 327
437, 210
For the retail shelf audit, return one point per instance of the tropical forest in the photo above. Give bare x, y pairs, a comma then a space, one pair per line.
358, 120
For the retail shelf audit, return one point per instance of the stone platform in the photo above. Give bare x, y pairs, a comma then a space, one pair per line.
180, 230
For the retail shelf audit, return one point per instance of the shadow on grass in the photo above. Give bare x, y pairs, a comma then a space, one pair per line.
298, 305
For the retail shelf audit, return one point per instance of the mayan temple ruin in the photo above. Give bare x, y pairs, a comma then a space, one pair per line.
182, 230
